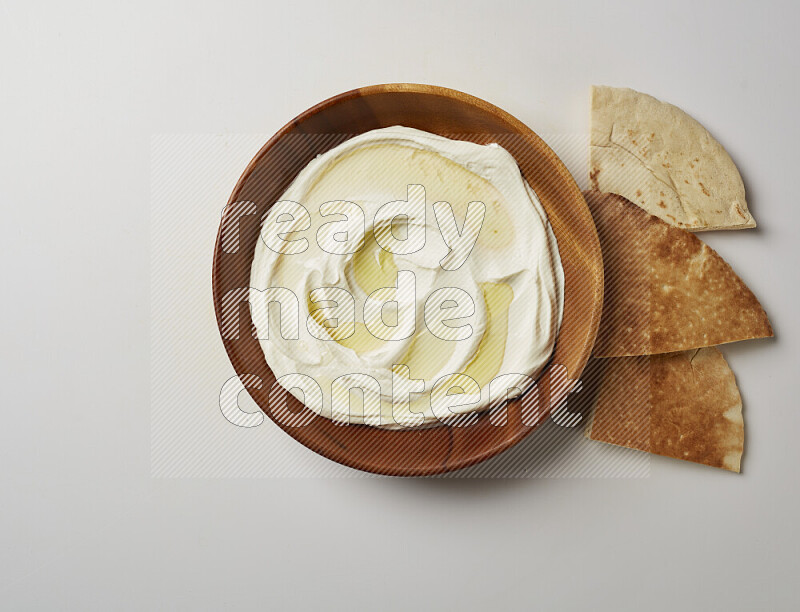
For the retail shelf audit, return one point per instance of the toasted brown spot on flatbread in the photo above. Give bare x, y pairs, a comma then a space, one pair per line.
705, 302
593, 177
684, 405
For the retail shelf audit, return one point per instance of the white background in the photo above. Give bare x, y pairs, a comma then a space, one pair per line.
84, 526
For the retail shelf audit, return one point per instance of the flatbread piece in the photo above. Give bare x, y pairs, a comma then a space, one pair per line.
665, 290
664, 161
683, 405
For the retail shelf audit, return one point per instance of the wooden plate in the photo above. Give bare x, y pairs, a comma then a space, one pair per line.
448, 113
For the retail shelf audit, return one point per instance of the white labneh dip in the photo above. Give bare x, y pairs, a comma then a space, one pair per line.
406, 279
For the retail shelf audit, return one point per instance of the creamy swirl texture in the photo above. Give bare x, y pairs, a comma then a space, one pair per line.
418, 269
